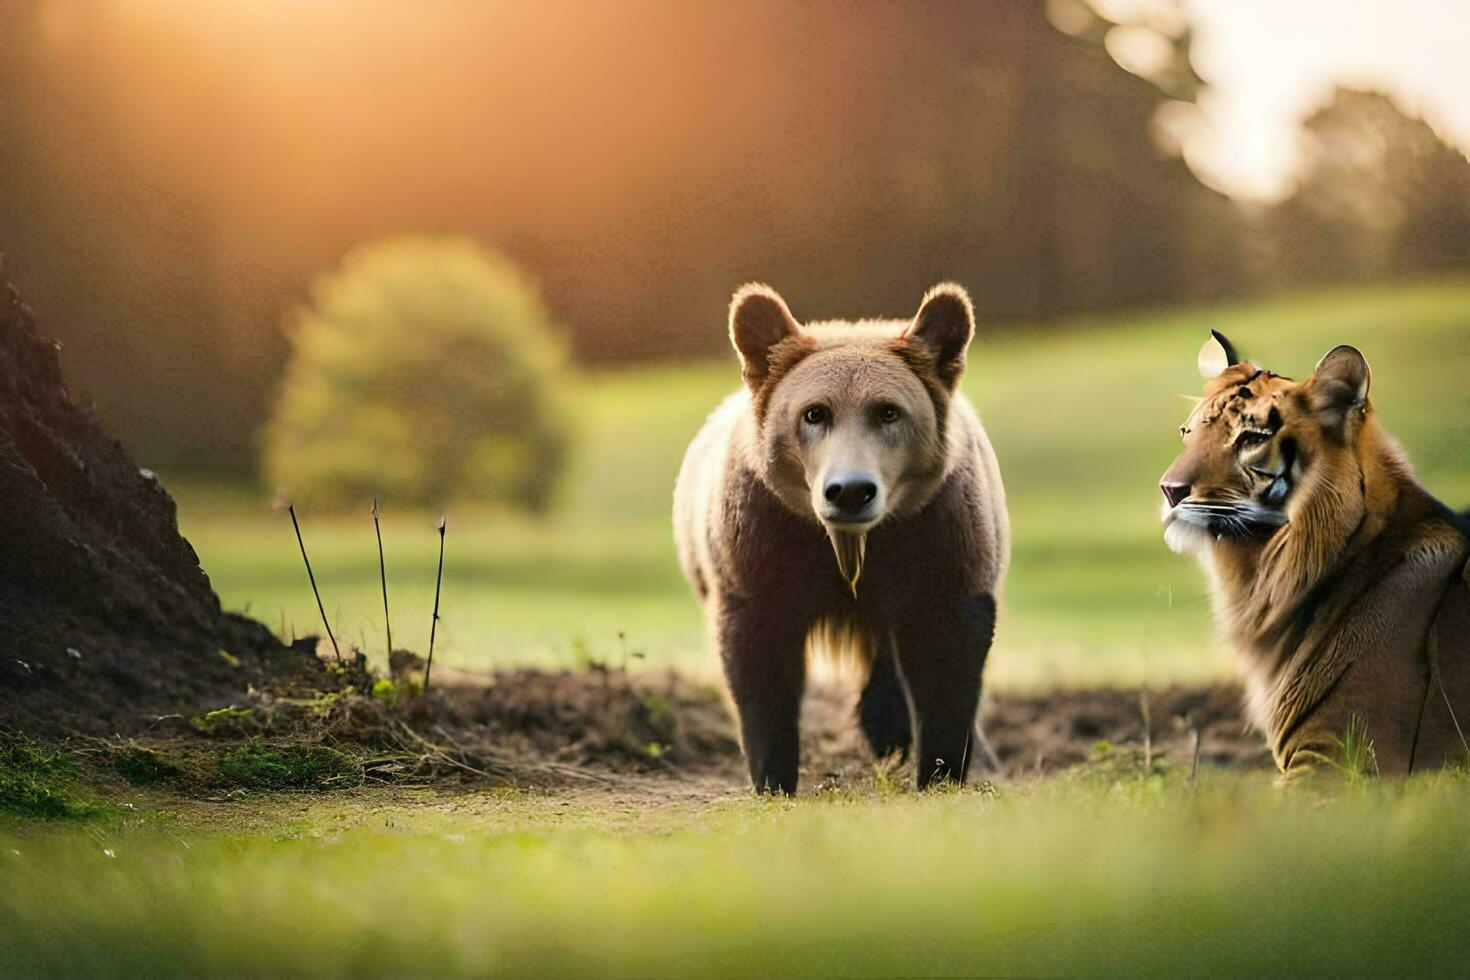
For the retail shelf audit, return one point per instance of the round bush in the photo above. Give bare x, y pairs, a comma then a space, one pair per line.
423, 370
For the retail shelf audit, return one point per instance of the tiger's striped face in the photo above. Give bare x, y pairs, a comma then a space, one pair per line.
1240, 459
1253, 442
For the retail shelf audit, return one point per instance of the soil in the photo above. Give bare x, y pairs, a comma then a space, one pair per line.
105, 615
663, 734
1028, 735
602, 722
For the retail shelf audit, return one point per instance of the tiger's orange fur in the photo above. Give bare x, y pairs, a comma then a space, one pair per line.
1340, 582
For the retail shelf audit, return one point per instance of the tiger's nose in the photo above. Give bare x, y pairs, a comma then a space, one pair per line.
1174, 492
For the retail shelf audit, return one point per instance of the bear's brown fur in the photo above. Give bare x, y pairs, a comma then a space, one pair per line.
849, 488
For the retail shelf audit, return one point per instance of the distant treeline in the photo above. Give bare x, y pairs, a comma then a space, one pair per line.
171, 184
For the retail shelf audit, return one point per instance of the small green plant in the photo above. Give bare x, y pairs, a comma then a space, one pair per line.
226, 721
885, 776
36, 781
658, 715
1359, 760
393, 692
297, 767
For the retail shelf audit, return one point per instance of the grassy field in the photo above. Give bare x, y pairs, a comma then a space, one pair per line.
1114, 867
1083, 418
1107, 873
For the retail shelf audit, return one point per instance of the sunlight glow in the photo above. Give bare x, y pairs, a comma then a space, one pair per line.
1269, 64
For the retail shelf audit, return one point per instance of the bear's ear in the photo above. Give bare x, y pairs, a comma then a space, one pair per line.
1339, 385
759, 320
945, 325
1216, 355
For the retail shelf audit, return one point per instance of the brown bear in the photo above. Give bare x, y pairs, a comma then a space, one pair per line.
851, 441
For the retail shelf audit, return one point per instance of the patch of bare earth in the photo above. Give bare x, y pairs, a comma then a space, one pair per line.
652, 735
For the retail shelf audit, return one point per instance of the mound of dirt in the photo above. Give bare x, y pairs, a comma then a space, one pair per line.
105, 615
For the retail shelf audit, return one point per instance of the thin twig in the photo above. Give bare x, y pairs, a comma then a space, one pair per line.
440, 755
383, 577
992, 760
1435, 678
490, 766
291, 508
1148, 736
1194, 770
434, 626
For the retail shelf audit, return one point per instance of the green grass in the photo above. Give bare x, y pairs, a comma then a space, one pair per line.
37, 781
302, 767
1116, 873
1084, 419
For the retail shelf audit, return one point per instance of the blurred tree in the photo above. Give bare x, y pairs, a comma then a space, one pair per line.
423, 370
1379, 194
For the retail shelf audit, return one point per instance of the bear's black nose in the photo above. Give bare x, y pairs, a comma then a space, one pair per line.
850, 494
1174, 492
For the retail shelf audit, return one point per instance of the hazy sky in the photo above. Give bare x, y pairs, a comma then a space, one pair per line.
1273, 61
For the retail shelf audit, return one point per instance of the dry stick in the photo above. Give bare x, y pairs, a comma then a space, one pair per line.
434, 626
977, 733
312, 578
1148, 738
383, 577
1194, 770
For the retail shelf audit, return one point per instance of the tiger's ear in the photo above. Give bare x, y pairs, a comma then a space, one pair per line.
1339, 384
1216, 355
759, 320
945, 324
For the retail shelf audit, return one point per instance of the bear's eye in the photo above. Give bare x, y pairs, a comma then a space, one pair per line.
816, 415
889, 414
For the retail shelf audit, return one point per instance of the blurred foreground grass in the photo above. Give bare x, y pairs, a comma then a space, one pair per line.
1083, 415
1116, 873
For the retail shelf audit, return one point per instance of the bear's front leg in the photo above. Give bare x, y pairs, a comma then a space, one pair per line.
941, 652
763, 651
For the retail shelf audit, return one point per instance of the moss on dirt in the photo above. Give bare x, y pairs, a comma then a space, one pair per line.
252, 765
37, 781
143, 766
309, 767
227, 721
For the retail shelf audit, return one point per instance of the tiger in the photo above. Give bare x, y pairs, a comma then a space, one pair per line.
1339, 583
